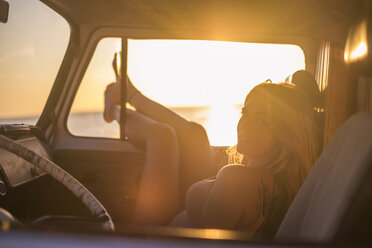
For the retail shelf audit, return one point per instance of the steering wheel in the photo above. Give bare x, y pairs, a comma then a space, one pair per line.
85, 196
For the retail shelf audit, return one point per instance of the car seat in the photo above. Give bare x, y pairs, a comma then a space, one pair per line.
335, 201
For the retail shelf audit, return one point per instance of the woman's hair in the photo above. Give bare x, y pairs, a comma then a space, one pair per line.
290, 118
306, 83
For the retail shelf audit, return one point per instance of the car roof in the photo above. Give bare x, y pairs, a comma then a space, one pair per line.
315, 18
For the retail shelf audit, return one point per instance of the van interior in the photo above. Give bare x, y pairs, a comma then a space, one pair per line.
63, 168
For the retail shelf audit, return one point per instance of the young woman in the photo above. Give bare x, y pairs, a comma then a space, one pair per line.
277, 146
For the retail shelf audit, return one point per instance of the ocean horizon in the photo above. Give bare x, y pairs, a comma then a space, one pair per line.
220, 123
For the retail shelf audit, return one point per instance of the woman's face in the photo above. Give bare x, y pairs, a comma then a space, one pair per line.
255, 138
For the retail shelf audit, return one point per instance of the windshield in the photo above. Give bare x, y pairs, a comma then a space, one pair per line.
33, 43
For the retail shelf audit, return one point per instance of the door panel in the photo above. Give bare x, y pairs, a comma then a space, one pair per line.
112, 176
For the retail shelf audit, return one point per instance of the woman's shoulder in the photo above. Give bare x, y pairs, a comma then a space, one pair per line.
236, 173
232, 177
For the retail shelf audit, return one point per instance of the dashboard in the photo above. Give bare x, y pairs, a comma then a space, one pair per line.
15, 171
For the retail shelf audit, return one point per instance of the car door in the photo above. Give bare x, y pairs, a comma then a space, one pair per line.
85, 145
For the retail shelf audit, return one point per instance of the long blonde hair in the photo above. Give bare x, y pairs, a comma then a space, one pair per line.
291, 119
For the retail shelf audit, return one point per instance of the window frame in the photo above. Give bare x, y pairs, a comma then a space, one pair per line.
308, 46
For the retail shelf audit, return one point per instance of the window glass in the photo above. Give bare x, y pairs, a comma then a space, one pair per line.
207, 81
86, 115
33, 43
203, 81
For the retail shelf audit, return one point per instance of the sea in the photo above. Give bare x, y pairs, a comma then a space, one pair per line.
219, 121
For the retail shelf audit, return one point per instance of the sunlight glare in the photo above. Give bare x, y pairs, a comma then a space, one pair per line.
356, 44
359, 51
218, 74
223, 117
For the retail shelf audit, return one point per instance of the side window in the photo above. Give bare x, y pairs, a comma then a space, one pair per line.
207, 81
203, 81
86, 115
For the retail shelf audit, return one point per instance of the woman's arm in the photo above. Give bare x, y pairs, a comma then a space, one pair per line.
234, 195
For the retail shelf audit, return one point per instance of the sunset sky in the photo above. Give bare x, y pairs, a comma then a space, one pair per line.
189, 73
32, 46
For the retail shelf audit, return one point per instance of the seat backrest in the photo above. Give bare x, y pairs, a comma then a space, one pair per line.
326, 202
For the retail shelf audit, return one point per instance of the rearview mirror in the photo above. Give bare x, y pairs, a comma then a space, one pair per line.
358, 48
4, 11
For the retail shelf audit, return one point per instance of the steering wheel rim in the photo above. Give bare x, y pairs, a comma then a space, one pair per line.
72, 184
